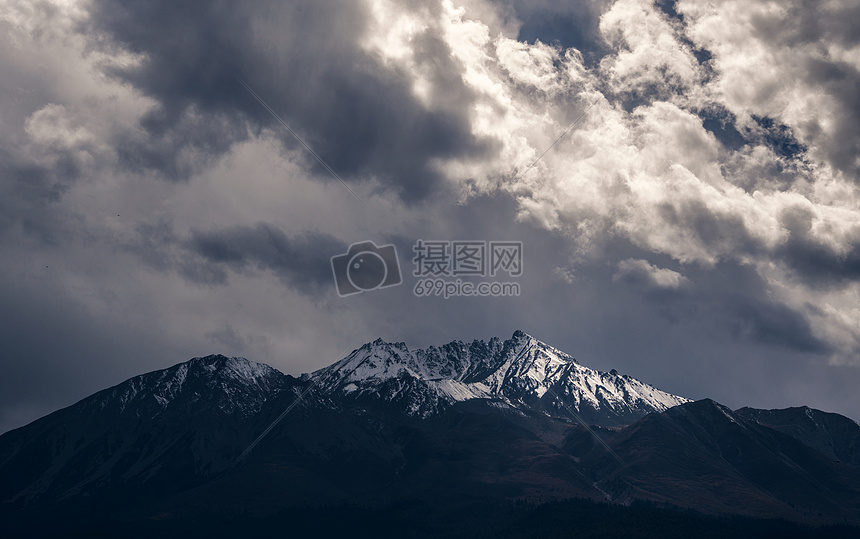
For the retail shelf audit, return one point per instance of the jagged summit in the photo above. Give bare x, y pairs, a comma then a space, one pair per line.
521, 372
497, 418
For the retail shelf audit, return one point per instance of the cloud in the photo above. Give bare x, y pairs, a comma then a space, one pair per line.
641, 272
705, 208
231, 341
303, 58
208, 257
774, 324
795, 62
649, 61
676, 156
54, 152
811, 256
302, 262
769, 187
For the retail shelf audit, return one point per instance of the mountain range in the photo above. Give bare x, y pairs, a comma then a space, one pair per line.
498, 421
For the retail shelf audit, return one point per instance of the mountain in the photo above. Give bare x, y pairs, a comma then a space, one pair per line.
703, 455
446, 428
162, 430
521, 373
832, 434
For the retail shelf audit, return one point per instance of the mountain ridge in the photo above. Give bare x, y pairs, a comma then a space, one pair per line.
521, 372
501, 420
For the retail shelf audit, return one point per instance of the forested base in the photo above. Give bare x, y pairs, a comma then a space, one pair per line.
576, 518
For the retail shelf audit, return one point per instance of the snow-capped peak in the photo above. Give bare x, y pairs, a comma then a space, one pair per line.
521, 371
231, 383
238, 368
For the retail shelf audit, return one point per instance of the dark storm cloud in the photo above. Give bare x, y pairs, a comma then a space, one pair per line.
723, 232
304, 60
815, 263
302, 262
233, 342
735, 299
731, 299
810, 260
151, 244
772, 324
656, 283
30, 192
179, 145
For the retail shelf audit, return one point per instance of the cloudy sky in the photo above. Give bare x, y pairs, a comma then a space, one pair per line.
698, 227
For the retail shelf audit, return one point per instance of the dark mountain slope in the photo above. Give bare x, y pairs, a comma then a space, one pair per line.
159, 432
832, 434
447, 427
702, 455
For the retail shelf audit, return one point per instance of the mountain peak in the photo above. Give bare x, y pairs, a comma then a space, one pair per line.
382, 343
185, 434
521, 372
229, 366
231, 384
520, 334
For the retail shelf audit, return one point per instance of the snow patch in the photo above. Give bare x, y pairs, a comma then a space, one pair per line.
521, 367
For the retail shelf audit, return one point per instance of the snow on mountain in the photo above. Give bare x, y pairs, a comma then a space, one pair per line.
200, 413
234, 383
521, 372
218, 437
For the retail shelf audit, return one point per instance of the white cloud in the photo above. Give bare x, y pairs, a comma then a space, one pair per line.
530, 64
792, 61
648, 57
642, 271
52, 126
655, 175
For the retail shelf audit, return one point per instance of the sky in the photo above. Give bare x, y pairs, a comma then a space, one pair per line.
683, 179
